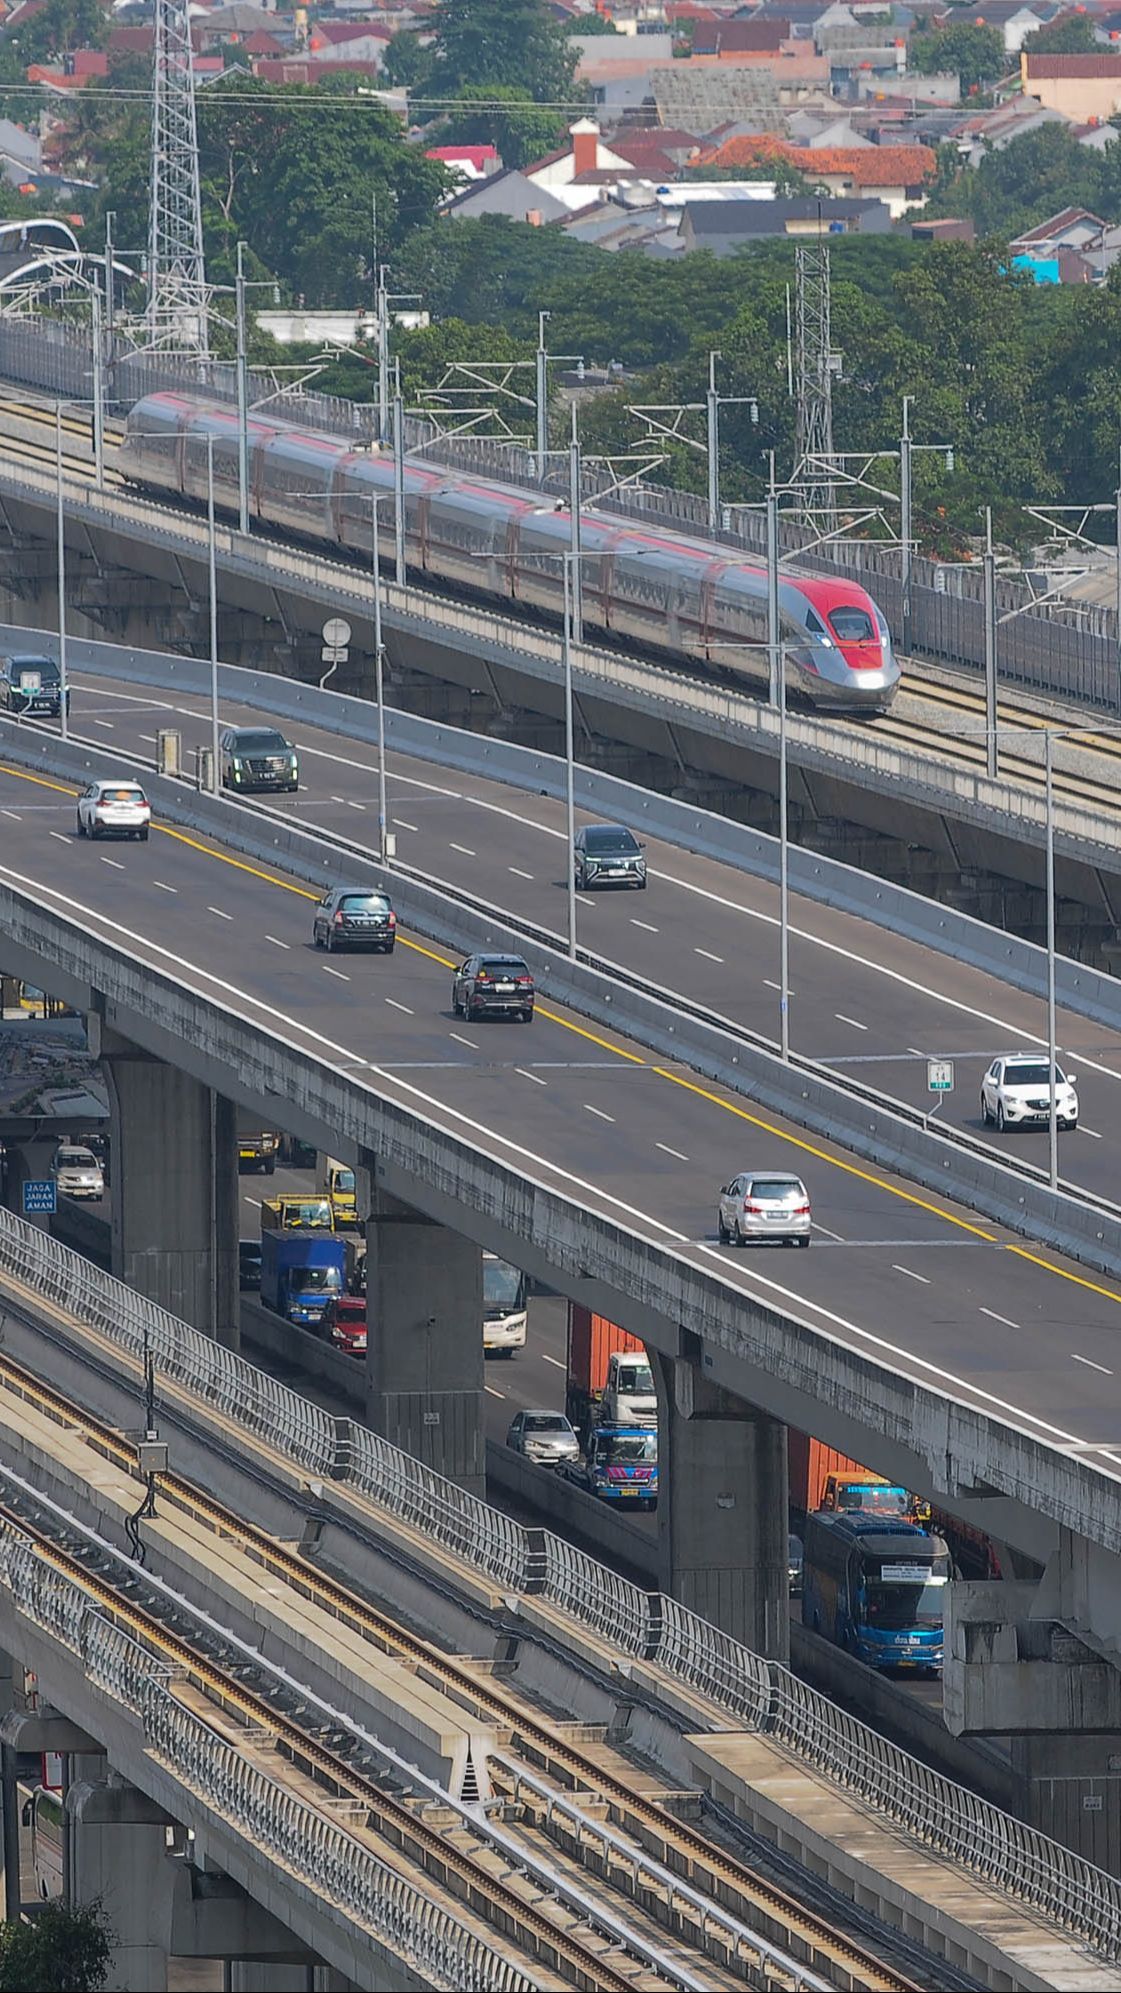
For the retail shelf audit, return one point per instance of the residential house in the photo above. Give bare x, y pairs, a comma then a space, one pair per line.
1071, 247
894, 174
1012, 19
1080, 87
701, 91
722, 227
467, 162
348, 41
509, 193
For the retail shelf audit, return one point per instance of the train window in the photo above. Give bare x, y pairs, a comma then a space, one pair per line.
852, 625
817, 628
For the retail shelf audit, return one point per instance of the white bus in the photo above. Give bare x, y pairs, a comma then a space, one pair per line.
504, 1307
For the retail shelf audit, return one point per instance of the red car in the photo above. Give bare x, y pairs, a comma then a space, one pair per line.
343, 1323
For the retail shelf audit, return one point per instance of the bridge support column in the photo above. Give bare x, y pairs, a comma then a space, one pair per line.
722, 1507
116, 1842
174, 1191
424, 1289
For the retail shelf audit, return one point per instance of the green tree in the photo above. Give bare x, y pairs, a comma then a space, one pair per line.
512, 42
1071, 34
975, 55
408, 62
62, 1951
498, 114
1024, 182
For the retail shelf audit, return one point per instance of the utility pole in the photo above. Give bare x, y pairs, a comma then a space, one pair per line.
574, 501
712, 438
96, 340
242, 394
777, 674
542, 397
991, 752
177, 296
1117, 596
398, 476
905, 536
383, 355
60, 553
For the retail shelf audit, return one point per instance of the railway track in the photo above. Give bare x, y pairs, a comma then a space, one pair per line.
579, 1800
954, 731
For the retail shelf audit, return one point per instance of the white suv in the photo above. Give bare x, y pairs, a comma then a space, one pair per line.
114, 809
1016, 1093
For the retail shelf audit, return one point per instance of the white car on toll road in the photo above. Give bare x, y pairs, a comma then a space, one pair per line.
114, 809
1016, 1093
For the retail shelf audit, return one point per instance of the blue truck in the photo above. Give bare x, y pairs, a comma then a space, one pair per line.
620, 1465
300, 1272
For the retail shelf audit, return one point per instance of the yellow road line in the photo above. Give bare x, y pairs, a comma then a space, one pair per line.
1079, 1279
822, 1155
40, 781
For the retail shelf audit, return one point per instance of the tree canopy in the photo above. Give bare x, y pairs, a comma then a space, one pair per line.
61, 1951
512, 42
1070, 34
501, 115
973, 54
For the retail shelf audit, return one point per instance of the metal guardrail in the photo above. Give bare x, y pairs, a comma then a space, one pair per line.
830, 746
759, 1694
270, 1817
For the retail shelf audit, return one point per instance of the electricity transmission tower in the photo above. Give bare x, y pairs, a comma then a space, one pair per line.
816, 365
177, 298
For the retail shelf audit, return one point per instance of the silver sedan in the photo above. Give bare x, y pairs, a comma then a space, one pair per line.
545, 1437
764, 1204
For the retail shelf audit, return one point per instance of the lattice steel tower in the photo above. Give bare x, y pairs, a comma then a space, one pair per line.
177, 301
816, 363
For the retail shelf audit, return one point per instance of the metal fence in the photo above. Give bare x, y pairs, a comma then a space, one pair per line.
757, 1693
272, 1819
1074, 651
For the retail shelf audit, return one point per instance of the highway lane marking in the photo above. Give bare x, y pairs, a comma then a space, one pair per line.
338, 799
1090, 1364
598, 1111
461, 1040
392, 1001
402, 825
518, 873
708, 955
164, 889
370, 768
854, 1021
328, 971
916, 1054
667, 1151
246, 1199
242, 865
822, 1155
219, 913
59, 835
910, 1275
648, 925
584, 900
1003, 1319
277, 943
114, 862
492, 1392
554, 1360
836, 1237
464, 848
768, 985
1091, 1132
108, 724
535, 1077
150, 738
14, 814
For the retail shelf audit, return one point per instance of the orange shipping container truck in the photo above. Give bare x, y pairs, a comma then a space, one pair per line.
809, 1464
592, 1340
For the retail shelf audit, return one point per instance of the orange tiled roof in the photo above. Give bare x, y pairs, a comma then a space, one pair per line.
866, 166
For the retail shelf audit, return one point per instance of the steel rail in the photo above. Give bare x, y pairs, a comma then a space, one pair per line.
690, 1850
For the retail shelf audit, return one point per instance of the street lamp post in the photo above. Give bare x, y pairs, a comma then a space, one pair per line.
574, 498
242, 395
542, 397
906, 549
96, 339
398, 477
1049, 791
777, 673
569, 563
212, 566
379, 682
991, 751
64, 721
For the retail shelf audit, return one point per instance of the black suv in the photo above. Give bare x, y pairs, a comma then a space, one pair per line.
258, 758
32, 684
351, 917
493, 986
608, 855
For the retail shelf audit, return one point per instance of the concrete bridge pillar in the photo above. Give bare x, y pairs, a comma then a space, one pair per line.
722, 1507
174, 1190
424, 1366
117, 1853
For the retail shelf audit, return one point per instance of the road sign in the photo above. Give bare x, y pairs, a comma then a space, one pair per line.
336, 633
40, 1196
334, 654
940, 1075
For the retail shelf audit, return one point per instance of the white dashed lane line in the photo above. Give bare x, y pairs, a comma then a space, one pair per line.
394, 1005
667, 1151
354, 806
492, 1393
518, 873
164, 889
708, 955
554, 1360
649, 927
910, 1275
854, 1021
328, 971
464, 848
116, 864
59, 835
14, 814
535, 1077
470, 1043
1090, 1364
276, 943
220, 914
598, 1112
1002, 1319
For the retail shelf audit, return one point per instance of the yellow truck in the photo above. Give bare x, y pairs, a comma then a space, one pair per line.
335, 1180
297, 1214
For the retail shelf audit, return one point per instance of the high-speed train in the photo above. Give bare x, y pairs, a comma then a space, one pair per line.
686, 598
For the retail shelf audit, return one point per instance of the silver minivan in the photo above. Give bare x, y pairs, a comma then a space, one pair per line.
764, 1204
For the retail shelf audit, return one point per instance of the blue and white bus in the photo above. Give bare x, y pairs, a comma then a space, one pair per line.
877, 1587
